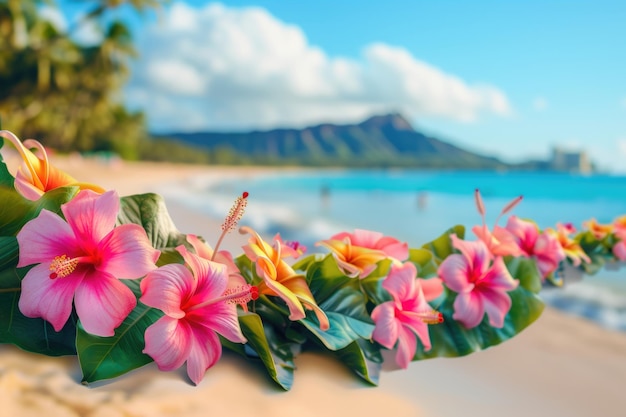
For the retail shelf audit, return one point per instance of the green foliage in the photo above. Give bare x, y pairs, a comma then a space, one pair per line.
348, 316
149, 212
442, 246
266, 345
363, 358
108, 357
61, 92
451, 338
172, 151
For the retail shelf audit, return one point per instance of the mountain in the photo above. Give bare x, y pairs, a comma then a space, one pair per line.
385, 141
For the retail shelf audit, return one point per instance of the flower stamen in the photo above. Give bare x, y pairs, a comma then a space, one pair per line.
234, 215
240, 294
62, 266
430, 317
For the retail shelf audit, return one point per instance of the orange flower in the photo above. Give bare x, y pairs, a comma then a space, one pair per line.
279, 278
572, 249
598, 230
354, 261
36, 176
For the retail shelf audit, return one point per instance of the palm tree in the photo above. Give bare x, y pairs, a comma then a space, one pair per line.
64, 93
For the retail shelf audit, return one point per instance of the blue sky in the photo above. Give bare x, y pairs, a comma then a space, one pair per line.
507, 78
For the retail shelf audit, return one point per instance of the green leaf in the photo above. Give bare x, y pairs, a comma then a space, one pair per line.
451, 338
149, 211
324, 278
108, 357
526, 271
16, 211
8, 254
442, 246
348, 316
373, 289
266, 345
363, 358
425, 262
304, 263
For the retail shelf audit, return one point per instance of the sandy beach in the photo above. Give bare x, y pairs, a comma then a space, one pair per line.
560, 366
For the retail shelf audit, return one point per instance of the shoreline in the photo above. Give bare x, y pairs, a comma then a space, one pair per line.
560, 366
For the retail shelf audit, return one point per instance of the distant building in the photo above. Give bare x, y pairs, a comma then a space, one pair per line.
570, 161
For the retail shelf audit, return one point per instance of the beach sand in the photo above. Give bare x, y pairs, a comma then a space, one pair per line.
559, 366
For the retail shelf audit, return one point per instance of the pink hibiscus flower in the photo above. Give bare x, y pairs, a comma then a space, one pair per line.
481, 285
408, 315
543, 247
619, 250
81, 259
198, 304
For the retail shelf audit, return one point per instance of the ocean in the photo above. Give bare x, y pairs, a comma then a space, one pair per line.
418, 206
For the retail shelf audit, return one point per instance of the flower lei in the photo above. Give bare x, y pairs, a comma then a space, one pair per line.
84, 272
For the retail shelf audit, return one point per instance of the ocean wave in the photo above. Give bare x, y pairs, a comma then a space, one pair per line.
601, 303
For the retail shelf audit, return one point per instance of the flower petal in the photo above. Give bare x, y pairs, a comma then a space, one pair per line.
455, 272
168, 342
296, 310
401, 281
220, 317
102, 303
407, 345
525, 232
202, 249
431, 287
476, 253
46, 237
393, 248
387, 327
498, 277
127, 253
619, 250
49, 298
167, 289
298, 286
25, 187
468, 309
497, 304
212, 277
205, 352
91, 215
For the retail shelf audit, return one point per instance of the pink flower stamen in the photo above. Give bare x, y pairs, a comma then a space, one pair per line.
234, 215
428, 316
241, 294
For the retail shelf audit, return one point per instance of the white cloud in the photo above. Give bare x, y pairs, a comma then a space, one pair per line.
540, 103
54, 16
87, 32
220, 67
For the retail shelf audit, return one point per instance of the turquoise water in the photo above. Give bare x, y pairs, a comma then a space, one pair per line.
417, 206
